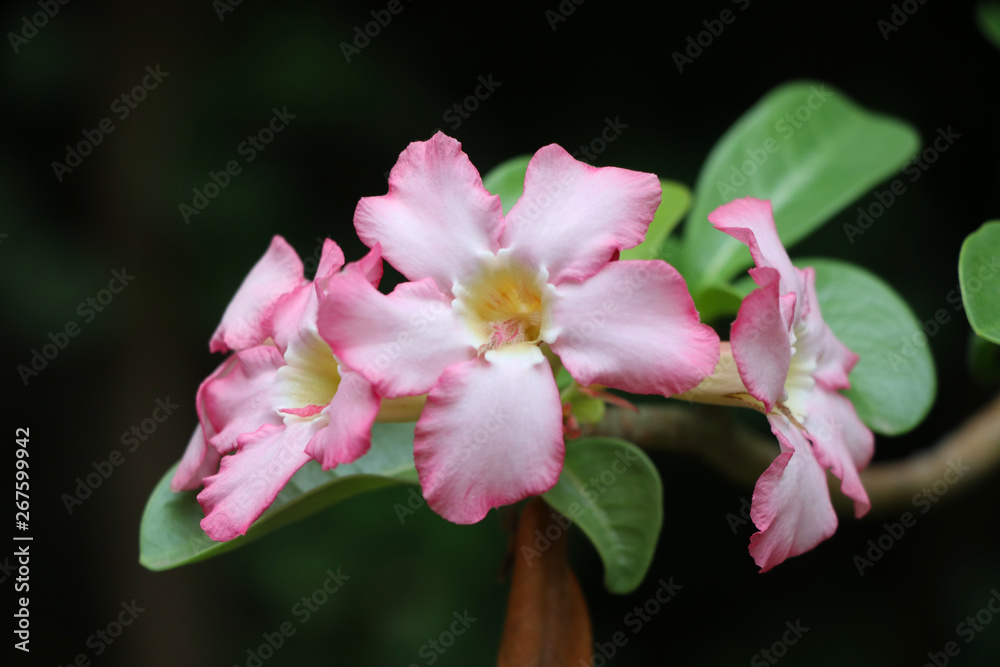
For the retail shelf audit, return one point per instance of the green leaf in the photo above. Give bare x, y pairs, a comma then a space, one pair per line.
894, 383
507, 180
978, 266
807, 148
671, 253
170, 535
674, 203
718, 301
563, 379
586, 409
988, 16
612, 491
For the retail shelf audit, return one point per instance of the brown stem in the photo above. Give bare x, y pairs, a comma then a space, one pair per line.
547, 623
742, 454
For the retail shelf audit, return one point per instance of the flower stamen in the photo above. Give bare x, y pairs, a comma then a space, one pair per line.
503, 305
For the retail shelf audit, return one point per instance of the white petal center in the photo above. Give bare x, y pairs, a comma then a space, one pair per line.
504, 304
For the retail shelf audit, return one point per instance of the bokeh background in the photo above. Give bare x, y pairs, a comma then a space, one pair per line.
119, 208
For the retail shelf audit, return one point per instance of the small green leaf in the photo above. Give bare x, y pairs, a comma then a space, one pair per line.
894, 383
563, 379
674, 203
586, 409
612, 491
718, 301
507, 180
170, 534
978, 267
806, 147
988, 16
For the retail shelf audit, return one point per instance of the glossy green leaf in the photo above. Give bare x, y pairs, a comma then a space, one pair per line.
612, 491
988, 15
674, 203
978, 269
507, 180
806, 147
894, 383
170, 534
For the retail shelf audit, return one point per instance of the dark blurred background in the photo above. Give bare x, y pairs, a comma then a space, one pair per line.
227, 70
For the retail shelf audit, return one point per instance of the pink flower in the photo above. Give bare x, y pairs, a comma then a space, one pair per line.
493, 298
281, 399
791, 362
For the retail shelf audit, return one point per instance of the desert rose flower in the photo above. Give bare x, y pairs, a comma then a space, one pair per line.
790, 361
492, 299
281, 399
247, 322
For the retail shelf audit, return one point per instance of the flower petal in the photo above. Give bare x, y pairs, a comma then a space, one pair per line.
573, 218
834, 360
791, 503
249, 480
490, 434
751, 221
351, 414
633, 326
243, 399
761, 340
309, 375
370, 265
295, 314
199, 461
290, 315
400, 342
843, 442
247, 320
297, 309
331, 260
437, 218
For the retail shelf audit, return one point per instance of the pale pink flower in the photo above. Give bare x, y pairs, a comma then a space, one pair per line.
792, 363
281, 399
492, 296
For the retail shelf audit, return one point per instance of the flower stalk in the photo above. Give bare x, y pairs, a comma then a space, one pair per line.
724, 386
